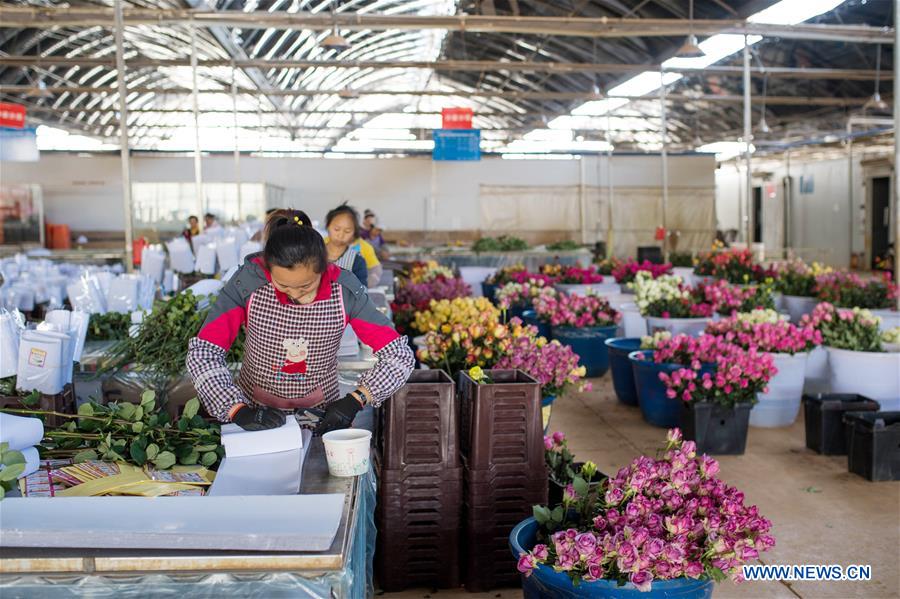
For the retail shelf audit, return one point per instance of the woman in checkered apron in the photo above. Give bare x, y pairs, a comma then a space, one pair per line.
294, 306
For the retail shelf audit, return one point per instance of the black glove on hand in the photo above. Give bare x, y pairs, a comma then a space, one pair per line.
339, 414
258, 419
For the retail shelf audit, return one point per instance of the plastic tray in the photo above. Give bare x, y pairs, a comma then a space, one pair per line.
824, 419
873, 444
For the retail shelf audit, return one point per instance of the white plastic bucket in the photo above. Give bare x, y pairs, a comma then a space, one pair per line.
889, 319
875, 375
677, 326
797, 306
817, 377
474, 276
686, 273
595, 288
780, 406
633, 324
347, 451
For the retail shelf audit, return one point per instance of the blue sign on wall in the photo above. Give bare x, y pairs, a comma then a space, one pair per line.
19, 145
457, 144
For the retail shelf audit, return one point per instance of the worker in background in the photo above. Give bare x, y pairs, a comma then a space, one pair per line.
371, 232
193, 227
210, 222
342, 224
300, 306
260, 235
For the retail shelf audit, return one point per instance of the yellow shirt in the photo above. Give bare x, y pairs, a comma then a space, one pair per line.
365, 250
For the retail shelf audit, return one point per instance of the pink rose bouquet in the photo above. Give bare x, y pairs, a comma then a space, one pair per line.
521, 295
575, 275
625, 272
778, 337
658, 519
843, 328
576, 311
849, 290
555, 366
739, 375
728, 299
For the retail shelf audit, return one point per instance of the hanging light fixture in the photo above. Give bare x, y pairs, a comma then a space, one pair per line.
875, 103
690, 49
334, 40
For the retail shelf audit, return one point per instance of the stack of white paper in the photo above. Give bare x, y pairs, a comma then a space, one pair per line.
239, 443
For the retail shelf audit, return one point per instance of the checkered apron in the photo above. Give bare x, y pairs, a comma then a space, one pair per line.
273, 327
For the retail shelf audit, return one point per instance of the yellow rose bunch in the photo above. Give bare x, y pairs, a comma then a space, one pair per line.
443, 315
423, 272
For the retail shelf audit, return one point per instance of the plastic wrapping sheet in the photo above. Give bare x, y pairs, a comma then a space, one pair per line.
9, 343
153, 263
250, 247
123, 294
206, 259
181, 258
227, 253
45, 361
354, 581
86, 295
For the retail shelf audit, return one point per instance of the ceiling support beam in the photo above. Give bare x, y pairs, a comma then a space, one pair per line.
447, 65
30, 90
47, 17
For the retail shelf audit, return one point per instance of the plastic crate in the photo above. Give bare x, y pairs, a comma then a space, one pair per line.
420, 424
419, 518
873, 444
488, 562
501, 422
824, 419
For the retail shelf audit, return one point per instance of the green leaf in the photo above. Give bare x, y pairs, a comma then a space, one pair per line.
137, 454
11, 458
557, 514
191, 408
148, 397
2, 492
137, 427
165, 460
209, 458
541, 514
183, 424
126, 410
31, 400
86, 409
12, 472
138, 413
197, 421
191, 458
152, 451
84, 456
209, 447
182, 451
581, 486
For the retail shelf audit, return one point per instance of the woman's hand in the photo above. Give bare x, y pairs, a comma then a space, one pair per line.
258, 419
339, 414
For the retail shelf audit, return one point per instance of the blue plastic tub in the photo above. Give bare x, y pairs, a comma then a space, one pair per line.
515, 312
531, 317
657, 409
620, 367
489, 291
590, 345
544, 583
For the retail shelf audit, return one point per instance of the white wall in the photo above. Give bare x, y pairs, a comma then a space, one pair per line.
820, 221
85, 191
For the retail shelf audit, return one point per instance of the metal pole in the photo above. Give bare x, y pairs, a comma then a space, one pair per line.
198, 163
748, 118
788, 191
237, 150
850, 190
123, 137
582, 198
665, 162
609, 184
897, 144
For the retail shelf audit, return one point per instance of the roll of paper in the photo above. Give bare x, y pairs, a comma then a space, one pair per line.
20, 432
32, 461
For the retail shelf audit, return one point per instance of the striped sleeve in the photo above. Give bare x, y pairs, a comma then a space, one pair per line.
395, 357
206, 363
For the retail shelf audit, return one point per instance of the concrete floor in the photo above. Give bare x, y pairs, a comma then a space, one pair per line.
821, 513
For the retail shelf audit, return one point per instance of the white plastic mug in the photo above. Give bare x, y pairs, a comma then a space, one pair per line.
347, 451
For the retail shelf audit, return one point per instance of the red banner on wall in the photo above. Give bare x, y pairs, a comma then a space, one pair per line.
12, 115
456, 118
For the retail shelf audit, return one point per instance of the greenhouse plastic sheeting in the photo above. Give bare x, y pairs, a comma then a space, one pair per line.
353, 582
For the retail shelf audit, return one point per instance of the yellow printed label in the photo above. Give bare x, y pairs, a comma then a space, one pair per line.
37, 357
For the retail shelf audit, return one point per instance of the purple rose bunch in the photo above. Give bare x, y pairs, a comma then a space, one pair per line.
660, 519
576, 311
555, 366
416, 297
